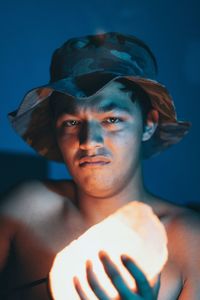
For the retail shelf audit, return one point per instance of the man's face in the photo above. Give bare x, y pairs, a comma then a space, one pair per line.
100, 139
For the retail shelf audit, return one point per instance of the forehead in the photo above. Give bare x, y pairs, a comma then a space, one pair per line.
110, 97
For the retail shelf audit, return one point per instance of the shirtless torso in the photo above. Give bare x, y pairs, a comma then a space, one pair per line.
39, 219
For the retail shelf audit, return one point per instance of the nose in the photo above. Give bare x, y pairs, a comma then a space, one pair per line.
91, 136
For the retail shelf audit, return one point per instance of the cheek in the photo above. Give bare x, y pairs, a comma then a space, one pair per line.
128, 140
67, 147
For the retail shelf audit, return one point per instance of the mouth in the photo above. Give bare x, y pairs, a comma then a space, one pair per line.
97, 160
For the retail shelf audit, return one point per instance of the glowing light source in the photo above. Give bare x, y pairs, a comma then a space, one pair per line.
133, 230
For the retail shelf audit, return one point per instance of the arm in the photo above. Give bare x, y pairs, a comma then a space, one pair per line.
185, 236
9, 225
7, 228
6, 232
191, 263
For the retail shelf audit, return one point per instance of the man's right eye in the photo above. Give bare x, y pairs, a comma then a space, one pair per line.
70, 123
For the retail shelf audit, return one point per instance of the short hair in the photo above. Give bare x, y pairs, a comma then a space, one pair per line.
138, 95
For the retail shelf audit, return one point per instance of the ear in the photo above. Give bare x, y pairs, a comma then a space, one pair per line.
151, 124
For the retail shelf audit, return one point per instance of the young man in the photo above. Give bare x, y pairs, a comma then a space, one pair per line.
101, 114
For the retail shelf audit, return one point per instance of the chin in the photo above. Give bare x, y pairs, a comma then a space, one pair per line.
102, 182
94, 185
99, 188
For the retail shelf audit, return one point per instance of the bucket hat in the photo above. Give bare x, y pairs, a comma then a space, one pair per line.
83, 60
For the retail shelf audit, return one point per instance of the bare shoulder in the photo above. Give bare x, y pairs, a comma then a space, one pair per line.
182, 272
183, 229
179, 217
35, 197
184, 244
185, 224
182, 225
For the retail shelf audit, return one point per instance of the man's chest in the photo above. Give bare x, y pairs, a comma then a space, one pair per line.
36, 247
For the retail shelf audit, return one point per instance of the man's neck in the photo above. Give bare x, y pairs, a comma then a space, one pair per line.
94, 209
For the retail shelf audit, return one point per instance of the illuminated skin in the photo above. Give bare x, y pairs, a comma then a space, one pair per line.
38, 219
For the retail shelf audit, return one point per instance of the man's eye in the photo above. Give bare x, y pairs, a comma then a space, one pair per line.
112, 120
70, 123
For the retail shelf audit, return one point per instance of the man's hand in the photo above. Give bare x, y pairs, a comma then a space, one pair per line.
145, 291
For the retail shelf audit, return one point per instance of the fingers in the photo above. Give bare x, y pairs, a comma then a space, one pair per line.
143, 286
115, 276
145, 291
94, 284
79, 289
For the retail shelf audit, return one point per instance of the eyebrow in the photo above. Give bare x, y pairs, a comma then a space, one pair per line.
112, 106
70, 109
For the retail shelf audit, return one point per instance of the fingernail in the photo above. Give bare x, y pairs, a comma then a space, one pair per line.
75, 280
102, 255
88, 264
124, 258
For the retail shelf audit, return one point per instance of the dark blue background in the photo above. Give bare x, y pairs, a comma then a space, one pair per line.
31, 30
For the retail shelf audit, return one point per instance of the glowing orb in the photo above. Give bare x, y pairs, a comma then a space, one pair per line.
133, 230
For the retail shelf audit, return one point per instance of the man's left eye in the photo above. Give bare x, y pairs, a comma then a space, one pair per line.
112, 120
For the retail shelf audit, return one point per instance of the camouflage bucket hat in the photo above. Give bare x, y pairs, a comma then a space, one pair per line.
80, 60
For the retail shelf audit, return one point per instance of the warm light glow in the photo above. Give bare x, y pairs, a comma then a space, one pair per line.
133, 230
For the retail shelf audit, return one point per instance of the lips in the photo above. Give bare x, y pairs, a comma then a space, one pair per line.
93, 160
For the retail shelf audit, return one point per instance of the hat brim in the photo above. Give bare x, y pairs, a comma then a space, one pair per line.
33, 119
